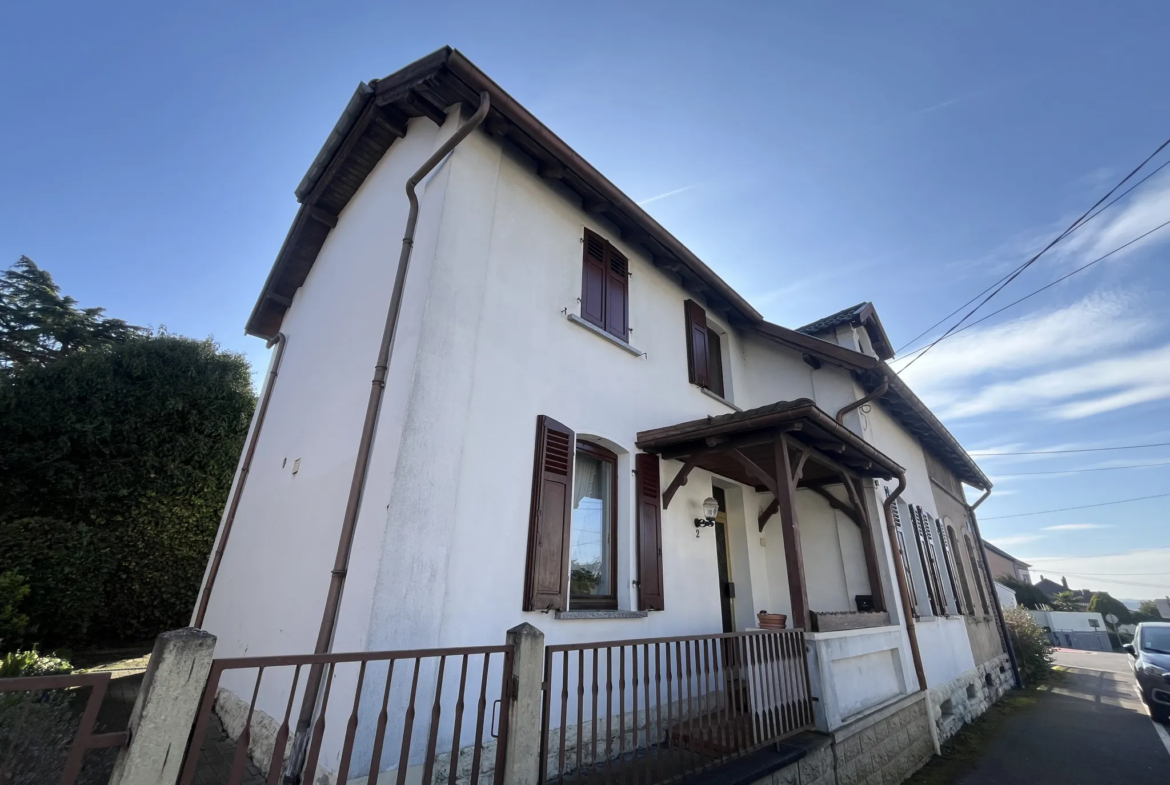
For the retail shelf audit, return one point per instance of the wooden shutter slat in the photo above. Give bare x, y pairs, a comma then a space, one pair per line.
651, 596
697, 350
617, 288
546, 579
594, 279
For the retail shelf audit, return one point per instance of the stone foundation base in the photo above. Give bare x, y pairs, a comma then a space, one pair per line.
883, 748
958, 702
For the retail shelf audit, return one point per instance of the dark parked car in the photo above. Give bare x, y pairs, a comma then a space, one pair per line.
1150, 658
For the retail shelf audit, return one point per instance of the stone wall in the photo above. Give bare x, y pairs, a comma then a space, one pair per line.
883, 748
959, 701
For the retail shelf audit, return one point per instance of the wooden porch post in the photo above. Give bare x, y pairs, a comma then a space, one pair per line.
869, 541
794, 560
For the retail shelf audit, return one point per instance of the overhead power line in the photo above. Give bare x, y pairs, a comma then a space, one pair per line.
1079, 471
1115, 200
981, 453
1072, 227
1035, 292
1081, 507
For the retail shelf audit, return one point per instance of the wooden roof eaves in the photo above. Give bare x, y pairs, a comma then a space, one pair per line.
821, 349
800, 410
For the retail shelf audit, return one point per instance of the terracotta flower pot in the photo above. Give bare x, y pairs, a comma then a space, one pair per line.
772, 621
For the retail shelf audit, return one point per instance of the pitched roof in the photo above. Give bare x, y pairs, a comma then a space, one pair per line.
377, 114
1004, 553
860, 315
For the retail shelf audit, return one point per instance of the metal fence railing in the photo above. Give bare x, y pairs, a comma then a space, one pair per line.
48, 724
430, 716
658, 709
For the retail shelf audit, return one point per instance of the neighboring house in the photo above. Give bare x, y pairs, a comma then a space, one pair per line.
1004, 565
568, 386
1074, 630
1007, 597
1081, 597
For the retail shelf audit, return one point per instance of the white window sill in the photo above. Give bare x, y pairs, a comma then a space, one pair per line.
618, 342
600, 614
719, 398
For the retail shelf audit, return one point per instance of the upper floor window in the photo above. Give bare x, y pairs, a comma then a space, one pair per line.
704, 350
605, 286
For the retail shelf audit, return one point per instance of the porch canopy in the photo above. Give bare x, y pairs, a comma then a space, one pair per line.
779, 448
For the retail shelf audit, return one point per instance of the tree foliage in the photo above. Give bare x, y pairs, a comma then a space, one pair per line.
1065, 601
39, 325
117, 451
1026, 594
1104, 604
1031, 645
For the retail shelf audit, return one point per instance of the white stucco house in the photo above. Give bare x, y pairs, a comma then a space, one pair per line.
565, 386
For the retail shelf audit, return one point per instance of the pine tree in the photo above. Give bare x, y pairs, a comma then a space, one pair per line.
39, 325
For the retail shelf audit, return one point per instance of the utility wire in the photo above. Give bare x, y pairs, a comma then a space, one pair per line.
1078, 471
1042, 288
1082, 507
982, 454
1072, 227
1116, 199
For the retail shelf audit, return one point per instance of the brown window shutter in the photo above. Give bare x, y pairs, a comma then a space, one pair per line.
546, 580
697, 350
594, 280
650, 593
617, 288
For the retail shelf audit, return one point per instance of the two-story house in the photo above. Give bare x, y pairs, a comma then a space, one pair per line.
575, 422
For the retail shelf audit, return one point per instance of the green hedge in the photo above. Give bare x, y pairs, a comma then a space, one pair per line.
115, 464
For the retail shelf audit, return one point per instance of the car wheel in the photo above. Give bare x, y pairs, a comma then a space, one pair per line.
1160, 713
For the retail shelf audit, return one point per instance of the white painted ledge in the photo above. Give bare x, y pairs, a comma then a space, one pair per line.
600, 614
618, 342
720, 398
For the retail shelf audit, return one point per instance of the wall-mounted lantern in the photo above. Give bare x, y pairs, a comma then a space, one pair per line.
710, 510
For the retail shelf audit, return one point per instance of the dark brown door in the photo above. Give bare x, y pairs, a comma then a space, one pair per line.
726, 587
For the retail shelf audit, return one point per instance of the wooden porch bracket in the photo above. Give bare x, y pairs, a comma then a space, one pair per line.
799, 470
837, 504
754, 469
870, 542
680, 479
768, 512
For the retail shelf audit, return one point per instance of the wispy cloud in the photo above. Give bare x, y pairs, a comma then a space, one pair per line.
1076, 527
1136, 573
1146, 209
1015, 539
1003, 368
666, 195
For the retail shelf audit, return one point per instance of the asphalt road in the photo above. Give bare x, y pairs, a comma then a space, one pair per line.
1090, 729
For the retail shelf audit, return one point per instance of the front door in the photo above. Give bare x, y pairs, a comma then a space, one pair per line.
726, 587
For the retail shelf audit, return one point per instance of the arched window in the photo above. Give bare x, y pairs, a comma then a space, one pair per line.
962, 571
975, 567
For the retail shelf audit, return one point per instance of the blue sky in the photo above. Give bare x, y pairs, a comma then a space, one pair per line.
815, 155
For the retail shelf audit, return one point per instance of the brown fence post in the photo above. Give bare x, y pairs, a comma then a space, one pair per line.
160, 723
522, 763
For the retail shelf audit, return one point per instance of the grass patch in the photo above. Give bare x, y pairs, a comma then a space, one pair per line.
965, 748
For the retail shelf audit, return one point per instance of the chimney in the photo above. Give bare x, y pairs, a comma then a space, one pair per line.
1064, 582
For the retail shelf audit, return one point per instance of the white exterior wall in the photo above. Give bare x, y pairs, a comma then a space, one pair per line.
484, 347
1007, 597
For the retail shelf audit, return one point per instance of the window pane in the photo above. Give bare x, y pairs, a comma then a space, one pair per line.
590, 571
714, 362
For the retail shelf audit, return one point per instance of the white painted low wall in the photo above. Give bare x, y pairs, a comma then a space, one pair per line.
856, 671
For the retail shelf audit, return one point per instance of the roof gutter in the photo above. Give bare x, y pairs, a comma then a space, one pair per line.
877, 393
1003, 628
366, 444
217, 558
907, 606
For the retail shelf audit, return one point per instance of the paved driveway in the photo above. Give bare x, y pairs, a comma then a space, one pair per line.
1090, 728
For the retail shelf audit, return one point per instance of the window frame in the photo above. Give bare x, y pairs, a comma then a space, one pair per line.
609, 601
605, 267
715, 381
